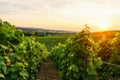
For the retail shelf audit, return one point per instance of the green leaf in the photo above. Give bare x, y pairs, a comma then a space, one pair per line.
13, 69
3, 67
1, 59
73, 67
14, 76
2, 75
24, 74
3, 46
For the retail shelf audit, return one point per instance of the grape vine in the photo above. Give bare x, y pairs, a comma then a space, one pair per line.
20, 57
77, 59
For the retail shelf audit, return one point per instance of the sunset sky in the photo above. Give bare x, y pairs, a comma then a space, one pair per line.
62, 14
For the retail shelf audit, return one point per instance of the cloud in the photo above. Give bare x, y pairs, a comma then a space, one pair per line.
54, 6
18, 6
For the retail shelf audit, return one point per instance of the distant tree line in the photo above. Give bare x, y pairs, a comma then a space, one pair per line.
45, 33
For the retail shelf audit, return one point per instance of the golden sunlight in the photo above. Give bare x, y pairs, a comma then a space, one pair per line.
103, 23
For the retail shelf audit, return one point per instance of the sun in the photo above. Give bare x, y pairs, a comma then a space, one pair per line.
103, 23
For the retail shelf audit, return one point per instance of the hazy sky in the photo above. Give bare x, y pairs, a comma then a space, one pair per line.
62, 14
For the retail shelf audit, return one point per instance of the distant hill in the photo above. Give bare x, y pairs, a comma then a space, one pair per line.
40, 31
43, 30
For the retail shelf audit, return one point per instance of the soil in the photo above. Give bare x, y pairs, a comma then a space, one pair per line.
47, 71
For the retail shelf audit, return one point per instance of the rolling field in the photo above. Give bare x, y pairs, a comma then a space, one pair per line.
51, 41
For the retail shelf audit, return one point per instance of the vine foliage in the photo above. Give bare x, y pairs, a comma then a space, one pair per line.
20, 57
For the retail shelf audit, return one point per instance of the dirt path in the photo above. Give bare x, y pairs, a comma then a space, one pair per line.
47, 71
